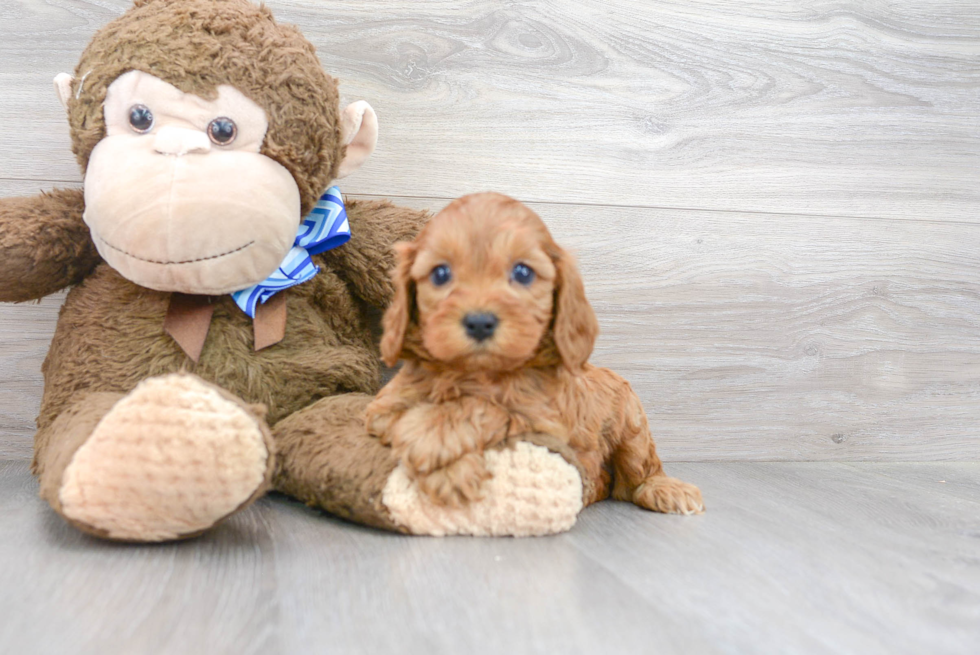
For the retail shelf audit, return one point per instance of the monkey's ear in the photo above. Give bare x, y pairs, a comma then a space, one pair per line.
359, 132
62, 86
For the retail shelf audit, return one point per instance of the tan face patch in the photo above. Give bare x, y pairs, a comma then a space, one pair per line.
173, 203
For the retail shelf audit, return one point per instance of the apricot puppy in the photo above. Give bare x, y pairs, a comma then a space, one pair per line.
491, 320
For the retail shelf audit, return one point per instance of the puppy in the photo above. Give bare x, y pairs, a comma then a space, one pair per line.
491, 320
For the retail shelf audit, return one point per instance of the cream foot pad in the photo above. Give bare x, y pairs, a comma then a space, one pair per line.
533, 492
170, 459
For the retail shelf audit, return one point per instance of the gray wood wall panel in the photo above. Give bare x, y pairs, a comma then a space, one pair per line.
763, 337
747, 336
25, 334
774, 205
816, 107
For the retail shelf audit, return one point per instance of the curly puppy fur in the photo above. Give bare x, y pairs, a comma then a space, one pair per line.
459, 394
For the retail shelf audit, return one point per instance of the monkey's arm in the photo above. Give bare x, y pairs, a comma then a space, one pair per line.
367, 259
44, 244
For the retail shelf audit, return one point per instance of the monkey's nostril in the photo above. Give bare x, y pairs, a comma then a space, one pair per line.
179, 141
480, 325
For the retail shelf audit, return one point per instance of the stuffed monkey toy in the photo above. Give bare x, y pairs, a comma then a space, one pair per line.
220, 334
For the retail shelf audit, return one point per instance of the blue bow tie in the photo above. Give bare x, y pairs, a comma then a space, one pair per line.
324, 228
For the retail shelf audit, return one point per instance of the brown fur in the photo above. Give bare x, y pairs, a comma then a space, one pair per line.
110, 331
181, 42
456, 397
45, 245
327, 461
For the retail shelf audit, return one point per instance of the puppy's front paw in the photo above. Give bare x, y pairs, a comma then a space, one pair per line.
456, 484
379, 417
669, 495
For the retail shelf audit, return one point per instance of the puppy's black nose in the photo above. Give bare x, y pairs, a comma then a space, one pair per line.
480, 326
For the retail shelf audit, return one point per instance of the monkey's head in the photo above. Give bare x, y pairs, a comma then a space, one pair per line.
205, 131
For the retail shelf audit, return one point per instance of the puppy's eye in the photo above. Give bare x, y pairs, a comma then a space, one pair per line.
440, 275
140, 118
222, 131
522, 274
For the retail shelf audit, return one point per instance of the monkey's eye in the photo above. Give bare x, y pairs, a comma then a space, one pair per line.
440, 275
140, 118
222, 131
522, 274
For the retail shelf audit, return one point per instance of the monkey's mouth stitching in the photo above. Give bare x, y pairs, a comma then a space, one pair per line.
186, 261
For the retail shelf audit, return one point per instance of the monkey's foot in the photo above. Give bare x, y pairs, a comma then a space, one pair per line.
669, 495
169, 460
533, 491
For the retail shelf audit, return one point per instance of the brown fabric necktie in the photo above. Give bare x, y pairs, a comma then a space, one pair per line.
269, 324
189, 318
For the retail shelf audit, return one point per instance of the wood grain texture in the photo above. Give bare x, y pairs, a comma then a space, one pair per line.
810, 558
729, 175
25, 334
815, 107
761, 337
747, 336
802, 558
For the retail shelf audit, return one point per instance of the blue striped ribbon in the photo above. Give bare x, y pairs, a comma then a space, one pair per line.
324, 228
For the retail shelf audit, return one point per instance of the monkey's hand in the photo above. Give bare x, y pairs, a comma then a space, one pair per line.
44, 244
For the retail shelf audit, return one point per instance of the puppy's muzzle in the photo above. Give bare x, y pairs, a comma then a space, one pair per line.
480, 326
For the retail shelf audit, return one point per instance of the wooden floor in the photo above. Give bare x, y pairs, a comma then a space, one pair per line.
776, 209
790, 558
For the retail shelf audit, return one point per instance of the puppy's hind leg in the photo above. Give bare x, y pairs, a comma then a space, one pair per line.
639, 475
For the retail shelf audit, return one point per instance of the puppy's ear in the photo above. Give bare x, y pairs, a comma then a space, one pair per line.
400, 310
576, 327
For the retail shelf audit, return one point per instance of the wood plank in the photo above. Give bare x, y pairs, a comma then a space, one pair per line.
409, 594
843, 108
805, 558
747, 336
940, 477
67, 592
759, 337
25, 334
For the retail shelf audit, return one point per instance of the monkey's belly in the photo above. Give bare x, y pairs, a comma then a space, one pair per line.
110, 337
